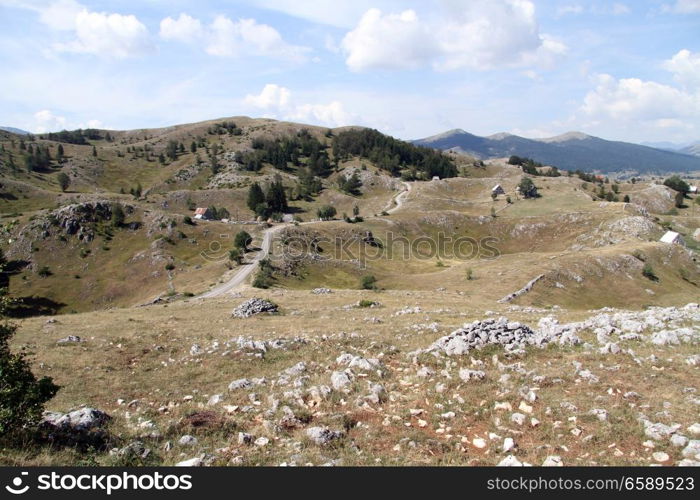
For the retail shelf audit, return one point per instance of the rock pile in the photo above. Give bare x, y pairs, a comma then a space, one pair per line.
254, 306
321, 291
79, 427
482, 333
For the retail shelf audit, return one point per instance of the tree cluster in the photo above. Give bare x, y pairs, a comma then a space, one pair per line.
392, 154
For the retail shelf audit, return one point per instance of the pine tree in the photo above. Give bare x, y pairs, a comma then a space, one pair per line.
255, 196
94, 151
63, 181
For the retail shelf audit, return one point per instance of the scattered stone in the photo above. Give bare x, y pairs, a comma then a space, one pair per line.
241, 383
321, 291
678, 440
254, 306
188, 440
553, 461
508, 444
467, 375
69, 339
340, 380
692, 450
192, 462
479, 443
322, 435
510, 461
262, 441
694, 429
660, 456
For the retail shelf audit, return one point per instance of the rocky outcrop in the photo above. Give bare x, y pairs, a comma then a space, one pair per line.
254, 306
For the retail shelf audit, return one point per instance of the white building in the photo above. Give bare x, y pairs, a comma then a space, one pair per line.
672, 237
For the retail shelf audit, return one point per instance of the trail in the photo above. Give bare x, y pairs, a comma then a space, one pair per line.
242, 274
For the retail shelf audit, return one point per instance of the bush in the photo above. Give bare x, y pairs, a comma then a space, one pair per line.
326, 212
648, 272
44, 272
169, 266
368, 282
22, 396
236, 256
366, 303
470, 274
188, 220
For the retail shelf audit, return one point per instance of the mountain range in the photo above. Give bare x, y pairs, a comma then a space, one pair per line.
14, 130
571, 151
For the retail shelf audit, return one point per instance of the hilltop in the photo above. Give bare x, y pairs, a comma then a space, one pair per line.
572, 150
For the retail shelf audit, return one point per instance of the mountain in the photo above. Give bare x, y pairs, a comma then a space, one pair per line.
691, 149
14, 130
571, 151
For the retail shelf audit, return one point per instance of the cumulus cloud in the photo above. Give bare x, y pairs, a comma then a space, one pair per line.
185, 28
107, 35
272, 97
225, 37
635, 99
481, 35
685, 67
276, 101
45, 121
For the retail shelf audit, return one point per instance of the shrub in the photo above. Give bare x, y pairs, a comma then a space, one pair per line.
169, 266
648, 272
188, 220
236, 256
366, 303
22, 395
44, 272
470, 274
368, 282
326, 212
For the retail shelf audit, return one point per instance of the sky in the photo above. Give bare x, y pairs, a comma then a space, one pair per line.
627, 70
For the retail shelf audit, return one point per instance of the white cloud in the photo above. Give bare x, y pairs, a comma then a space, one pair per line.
685, 67
277, 102
480, 35
185, 28
61, 15
683, 7
227, 38
630, 99
45, 121
272, 97
107, 35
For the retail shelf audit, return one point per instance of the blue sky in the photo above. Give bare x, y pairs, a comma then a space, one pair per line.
627, 70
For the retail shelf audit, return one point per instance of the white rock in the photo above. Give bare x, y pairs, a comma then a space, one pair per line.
694, 429
479, 443
262, 441
553, 461
518, 418
510, 461
508, 444
660, 456
192, 462
187, 440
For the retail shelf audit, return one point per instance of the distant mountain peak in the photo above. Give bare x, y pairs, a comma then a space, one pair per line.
568, 136
500, 136
14, 130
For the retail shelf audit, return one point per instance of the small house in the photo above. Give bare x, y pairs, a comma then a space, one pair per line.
693, 190
497, 189
436, 177
672, 237
202, 214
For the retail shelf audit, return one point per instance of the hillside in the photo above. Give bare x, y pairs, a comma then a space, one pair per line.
571, 151
158, 177
425, 319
